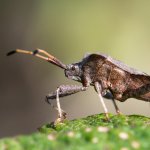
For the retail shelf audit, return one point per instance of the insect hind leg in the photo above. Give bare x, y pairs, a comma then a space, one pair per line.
108, 95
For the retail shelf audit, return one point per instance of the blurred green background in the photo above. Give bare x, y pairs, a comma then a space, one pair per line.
68, 30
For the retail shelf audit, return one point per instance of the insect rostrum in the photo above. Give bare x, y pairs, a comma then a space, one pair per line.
111, 79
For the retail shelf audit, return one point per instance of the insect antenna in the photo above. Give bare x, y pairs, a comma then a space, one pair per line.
48, 57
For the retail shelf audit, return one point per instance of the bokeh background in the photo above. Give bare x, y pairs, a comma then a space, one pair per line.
68, 30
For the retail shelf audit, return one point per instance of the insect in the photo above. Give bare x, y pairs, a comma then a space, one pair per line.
111, 79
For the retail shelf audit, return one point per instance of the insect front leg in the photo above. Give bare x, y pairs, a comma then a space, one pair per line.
98, 89
55, 107
63, 90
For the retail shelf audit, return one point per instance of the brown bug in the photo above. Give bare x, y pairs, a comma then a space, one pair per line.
111, 79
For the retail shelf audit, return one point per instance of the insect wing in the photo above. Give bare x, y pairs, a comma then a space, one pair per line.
123, 66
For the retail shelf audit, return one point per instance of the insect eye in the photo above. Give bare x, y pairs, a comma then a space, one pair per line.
73, 68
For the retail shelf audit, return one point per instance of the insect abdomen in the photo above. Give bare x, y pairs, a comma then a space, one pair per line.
139, 87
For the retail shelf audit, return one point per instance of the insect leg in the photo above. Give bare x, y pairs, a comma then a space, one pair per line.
66, 90
58, 103
63, 112
63, 90
116, 107
109, 95
99, 91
